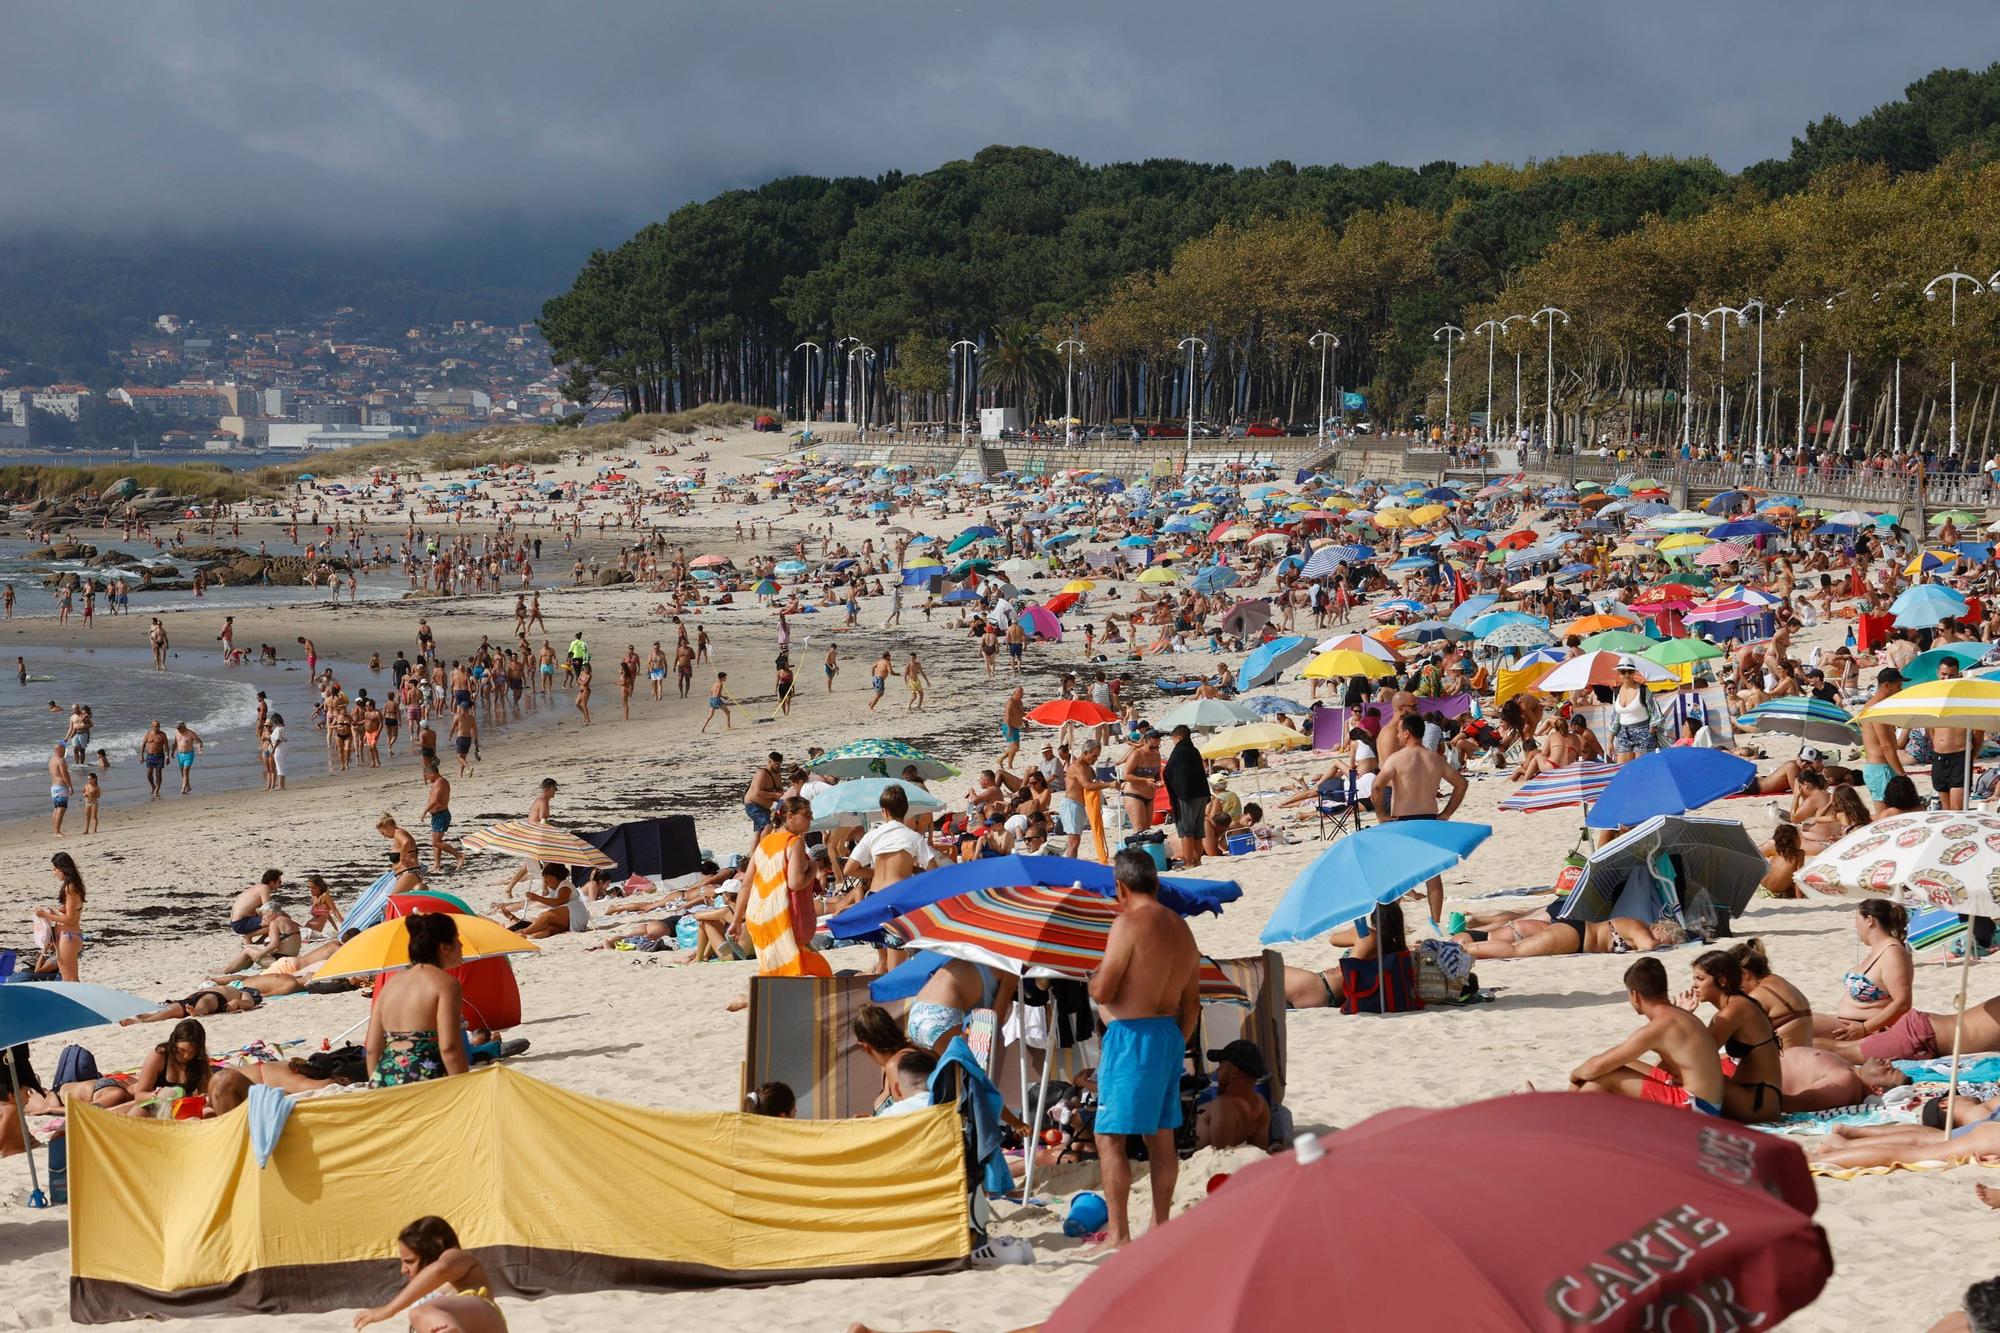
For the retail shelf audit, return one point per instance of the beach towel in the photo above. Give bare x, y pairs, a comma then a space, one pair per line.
960, 1077
1971, 1069
269, 1109
1811, 1124
767, 913
1093, 807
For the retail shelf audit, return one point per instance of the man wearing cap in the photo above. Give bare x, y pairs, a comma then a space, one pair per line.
1881, 746
1238, 1112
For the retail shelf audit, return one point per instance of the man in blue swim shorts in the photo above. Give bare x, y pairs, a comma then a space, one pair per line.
1147, 988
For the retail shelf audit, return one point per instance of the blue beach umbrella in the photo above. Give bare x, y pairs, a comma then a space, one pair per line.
1923, 668
31, 1010
1363, 870
1271, 660
1926, 604
860, 799
1669, 782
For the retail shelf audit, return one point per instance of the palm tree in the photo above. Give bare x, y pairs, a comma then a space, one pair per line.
1019, 364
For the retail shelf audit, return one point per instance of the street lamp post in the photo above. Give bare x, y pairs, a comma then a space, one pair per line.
1687, 377
1930, 294
1325, 342
1517, 374
1722, 374
1846, 387
1072, 346
1550, 314
1446, 333
965, 390
1191, 345
805, 391
867, 354
1757, 305
1491, 328
1783, 310
847, 388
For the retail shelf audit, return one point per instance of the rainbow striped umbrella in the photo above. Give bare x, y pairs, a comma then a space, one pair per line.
1804, 716
1577, 784
538, 842
1030, 930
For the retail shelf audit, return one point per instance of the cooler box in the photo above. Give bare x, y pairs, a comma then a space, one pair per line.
1153, 844
1241, 843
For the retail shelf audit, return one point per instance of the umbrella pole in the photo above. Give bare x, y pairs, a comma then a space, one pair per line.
1035, 1125
36, 1199
1958, 1029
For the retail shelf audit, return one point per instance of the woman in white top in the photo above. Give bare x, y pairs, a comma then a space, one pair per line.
1631, 717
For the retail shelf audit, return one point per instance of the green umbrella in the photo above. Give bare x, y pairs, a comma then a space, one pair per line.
1675, 652
1617, 641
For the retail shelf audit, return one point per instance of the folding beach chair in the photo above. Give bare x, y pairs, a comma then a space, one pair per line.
1340, 802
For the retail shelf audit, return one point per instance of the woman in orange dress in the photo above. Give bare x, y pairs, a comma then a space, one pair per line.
779, 868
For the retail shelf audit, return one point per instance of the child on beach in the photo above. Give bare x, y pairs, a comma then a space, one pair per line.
91, 792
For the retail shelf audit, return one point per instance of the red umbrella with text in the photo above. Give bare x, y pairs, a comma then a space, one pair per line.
1587, 1212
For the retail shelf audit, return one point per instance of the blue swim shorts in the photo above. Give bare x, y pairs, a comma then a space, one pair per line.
1139, 1076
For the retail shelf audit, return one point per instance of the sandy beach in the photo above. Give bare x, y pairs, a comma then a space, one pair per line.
632, 1028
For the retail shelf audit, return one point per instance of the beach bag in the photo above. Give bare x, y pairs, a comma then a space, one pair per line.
1364, 990
687, 932
76, 1065
1444, 973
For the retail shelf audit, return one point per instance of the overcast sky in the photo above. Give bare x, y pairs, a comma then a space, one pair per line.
414, 117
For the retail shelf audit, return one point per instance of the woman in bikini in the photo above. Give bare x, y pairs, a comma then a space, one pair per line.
65, 919
1142, 778
1783, 1003
414, 1030
1754, 1090
204, 1003
1877, 992
445, 1289
1845, 812
1785, 856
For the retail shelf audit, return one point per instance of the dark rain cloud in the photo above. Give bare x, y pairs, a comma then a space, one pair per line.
405, 118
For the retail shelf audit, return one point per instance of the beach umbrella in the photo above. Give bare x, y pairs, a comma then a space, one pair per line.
1527, 632
1669, 782
1246, 620
1534, 1243
1061, 602
1041, 623
1157, 574
858, 800
1360, 643
1721, 553
1022, 570
1617, 641
30, 1011
1923, 562
1745, 528
1214, 579
537, 842
1251, 736
1205, 715
1959, 517
1268, 661
877, 757
1924, 666
1588, 669
1071, 712
1079, 585
1268, 705
1376, 865
1596, 624
1927, 604
1677, 652
1715, 858
1339, 662
1575, 784
1803, 716
386, 947
1187, 895
1475, 609
1965, 702
1723, 610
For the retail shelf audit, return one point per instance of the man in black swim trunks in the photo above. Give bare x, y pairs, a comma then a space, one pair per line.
1953, 747
1409, 777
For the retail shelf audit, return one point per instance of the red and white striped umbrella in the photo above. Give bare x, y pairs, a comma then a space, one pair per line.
1577, 784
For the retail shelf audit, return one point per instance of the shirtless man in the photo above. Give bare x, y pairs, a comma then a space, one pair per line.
60, 788
1816, 1080
1238, 1114
1409, 779
684, 665
766, 786
464, 735
279, 939
1079, 779
1147, 989
1881, 745
878, 678
1689, 1073
186, 746
890, 852
1011, 723
1392, 737
408, 862
153, 756
1955, 747
437, 809
245, 912
156, 634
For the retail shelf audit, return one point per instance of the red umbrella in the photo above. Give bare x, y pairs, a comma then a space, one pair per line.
1589, 1212
1061, 602
1516, 541
1062, 712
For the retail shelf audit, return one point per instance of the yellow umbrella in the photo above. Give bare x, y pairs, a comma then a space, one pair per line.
386, 947
1235, 532
1916, 565
1964, 702
1394, 518
1251, 736
1079, 585
1339, 662
1685, 541
1630, 549
1157, 574
1423, 514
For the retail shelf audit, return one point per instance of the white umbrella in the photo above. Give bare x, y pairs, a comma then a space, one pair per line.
1206, 714
1587, 669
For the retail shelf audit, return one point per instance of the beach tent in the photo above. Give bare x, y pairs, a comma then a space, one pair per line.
176, 1218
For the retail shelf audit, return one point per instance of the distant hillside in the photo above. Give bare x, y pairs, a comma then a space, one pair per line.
68, 302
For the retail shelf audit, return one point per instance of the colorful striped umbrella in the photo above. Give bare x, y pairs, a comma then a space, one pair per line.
537, 842
877, 757
1576, 784
1030, 930
1965, 702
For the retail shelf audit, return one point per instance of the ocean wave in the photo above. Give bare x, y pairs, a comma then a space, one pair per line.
230, 708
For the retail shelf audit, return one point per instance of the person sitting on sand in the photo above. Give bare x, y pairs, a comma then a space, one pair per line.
1783, 1003
445, 1289
1754, 1092
181, 1061
1785, 856
415, 1027
881, 1039
1923, 1035
565, 909
1689, 1072
1238, 1113
1878, 993
1324, 989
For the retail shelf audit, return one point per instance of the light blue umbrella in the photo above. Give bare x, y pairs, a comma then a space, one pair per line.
791, 568
1472, 609
1360, 872
1268, 705
1810, 719
1271, 660
1205, 714
31, 1010
1927, 604
1923, 668
860, 799
1213, 579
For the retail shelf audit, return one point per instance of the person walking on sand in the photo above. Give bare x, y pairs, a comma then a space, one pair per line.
917, 680
186, 746
832, 666
153, 748
465, 737
437, 809
156, 635
718, 702
878, 678
60, 787
1147, 989
1080, 785
1011, 721
583, 690
1410, 778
